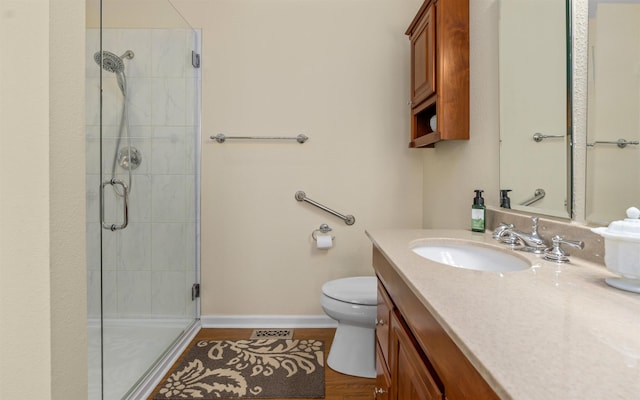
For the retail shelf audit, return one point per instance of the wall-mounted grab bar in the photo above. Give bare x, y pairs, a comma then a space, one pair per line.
621, 143
539, 137
221, 138
348, 219
537, 195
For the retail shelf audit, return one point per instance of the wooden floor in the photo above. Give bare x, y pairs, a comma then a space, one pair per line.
338, 386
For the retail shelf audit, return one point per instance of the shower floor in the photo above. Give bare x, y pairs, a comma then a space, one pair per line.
131, 348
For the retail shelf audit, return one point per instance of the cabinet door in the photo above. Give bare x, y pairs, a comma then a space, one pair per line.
412, 379
423, 71
439, 40
383, 379
383, 321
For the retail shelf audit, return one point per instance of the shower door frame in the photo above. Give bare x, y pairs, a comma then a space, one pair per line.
145, 383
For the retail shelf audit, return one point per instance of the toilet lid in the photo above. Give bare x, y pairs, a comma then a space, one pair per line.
358, 290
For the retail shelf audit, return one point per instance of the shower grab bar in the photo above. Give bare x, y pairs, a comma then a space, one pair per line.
537, 195
348, 219
221, 138
621, 143
125, 196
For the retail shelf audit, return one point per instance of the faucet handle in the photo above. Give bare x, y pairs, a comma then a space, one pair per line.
556, 252
497, 233
534, 227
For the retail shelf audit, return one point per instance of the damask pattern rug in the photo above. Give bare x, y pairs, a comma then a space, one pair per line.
248, 369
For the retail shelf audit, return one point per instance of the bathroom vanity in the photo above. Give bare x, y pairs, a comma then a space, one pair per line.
411, 343
552, 331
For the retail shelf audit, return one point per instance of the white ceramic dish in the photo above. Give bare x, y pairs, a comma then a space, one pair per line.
622, 251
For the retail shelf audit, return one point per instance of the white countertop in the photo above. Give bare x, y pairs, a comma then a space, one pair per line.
555, 331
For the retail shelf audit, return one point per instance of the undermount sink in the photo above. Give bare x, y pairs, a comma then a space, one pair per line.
471, 255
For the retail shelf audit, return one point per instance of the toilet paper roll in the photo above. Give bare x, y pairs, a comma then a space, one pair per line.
324, 241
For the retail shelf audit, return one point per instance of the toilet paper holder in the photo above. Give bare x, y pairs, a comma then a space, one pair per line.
324, 228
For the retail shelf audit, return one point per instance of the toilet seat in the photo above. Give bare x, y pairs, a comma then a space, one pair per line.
361, 290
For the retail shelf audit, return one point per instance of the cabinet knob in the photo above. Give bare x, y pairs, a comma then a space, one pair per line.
379, 322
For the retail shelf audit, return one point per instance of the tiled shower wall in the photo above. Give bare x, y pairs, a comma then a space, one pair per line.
150, 266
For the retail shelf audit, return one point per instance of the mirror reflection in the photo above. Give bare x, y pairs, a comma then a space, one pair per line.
534, 132
613, 114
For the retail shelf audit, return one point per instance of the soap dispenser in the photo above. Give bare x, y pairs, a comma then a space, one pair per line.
505, 201
478, 212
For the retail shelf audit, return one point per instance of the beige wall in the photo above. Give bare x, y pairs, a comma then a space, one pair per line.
275, 68
67, 200
614, 106
42, 271
336, 71
133, 14
25, 317
533, 94
453, 170
345, 91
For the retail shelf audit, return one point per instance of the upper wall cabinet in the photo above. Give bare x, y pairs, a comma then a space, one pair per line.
439, 36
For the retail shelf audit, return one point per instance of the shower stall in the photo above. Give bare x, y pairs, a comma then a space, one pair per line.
143, 158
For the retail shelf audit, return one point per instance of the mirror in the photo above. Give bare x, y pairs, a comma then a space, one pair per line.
535, 133
613, 110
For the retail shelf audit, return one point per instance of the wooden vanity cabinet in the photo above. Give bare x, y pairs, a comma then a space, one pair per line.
416, 359
402, 371
439, 40
423, 66
383, 328
411, 374
382, 390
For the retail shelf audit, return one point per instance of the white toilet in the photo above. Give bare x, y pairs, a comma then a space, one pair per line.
352, 302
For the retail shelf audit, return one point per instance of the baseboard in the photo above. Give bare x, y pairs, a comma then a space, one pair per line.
267, 321
152, 379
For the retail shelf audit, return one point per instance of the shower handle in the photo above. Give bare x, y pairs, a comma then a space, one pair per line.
125, 197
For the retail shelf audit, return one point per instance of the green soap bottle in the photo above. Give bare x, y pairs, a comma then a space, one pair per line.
478, 212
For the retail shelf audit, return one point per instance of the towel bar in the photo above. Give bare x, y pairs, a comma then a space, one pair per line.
221, 138
621, 143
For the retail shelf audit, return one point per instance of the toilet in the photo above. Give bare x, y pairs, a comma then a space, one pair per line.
353, 303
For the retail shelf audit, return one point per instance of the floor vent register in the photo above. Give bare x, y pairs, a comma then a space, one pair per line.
275, 333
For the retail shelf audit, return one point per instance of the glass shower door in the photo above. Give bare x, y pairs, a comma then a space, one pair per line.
143, 190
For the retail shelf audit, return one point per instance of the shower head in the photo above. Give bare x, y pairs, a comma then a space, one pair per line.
111, 62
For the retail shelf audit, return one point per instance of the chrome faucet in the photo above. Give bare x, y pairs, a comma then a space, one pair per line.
532, 241
499, 229
506, 238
